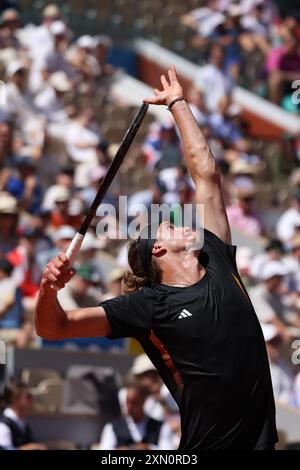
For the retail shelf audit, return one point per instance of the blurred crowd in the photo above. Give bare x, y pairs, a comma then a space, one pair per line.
262, 34
55, 151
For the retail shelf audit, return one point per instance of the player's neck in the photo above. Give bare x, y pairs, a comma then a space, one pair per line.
183, 273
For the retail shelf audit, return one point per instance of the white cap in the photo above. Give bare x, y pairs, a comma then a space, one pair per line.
62, 194
60, 81
58, 28
141, 364
64, 232
14, 67
86, 42
273, 268
8, 204
269, 331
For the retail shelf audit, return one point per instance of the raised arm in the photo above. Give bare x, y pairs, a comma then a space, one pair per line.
51, 321
200, 161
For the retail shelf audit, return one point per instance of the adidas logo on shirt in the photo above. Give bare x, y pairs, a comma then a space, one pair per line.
184, 314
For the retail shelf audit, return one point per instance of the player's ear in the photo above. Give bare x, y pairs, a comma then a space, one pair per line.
158, 249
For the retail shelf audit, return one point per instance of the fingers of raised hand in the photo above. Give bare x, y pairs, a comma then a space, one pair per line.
172, 74
164, 82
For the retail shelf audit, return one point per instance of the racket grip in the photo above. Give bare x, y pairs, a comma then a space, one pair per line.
72, 252
74, 247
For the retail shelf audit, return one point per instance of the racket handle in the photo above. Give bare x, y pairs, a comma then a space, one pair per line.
72, 252
74, 247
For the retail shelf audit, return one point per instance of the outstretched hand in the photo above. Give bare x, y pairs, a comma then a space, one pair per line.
171, 89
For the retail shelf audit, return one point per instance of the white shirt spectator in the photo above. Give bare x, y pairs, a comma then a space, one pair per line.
282, 383
19, 103
215, 84
78, 136
48, 103
287, 224
5, 432
207, 20
41, 40
269, 306
167, 440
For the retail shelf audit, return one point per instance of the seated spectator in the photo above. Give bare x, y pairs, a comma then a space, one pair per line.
61, 239
204, 19
6, 133
288, 224
135, 430
268, 301
10, 23
103, 45
15, 433
216, 85
82, 140
287, 70
61, 214
18, 101
159, 399
51, 101
9, 213
77, 294
24, 185
242, 214
292, 261
282, 377
64, 178
41, 39
273, 252
82, 60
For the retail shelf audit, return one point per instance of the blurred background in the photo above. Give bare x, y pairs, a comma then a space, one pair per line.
73, 75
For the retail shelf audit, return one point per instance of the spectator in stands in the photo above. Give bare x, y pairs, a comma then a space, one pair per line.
5, 141
267, 299
65, 179
8, 222
78, 293
135, 430
216, 85
61, 239
273, 252
10, 22
82, 59
61, 215
288, 224
287, 70
41, 39
51, 101
282, 377
15, 433
24, 185
11, 309
18, 101
51, 60
242, 214
82, 141
292, 261
103, 45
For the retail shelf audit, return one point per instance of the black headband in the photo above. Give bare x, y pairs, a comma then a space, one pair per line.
146, 241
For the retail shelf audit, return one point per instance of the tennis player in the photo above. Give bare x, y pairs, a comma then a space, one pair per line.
188, 308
